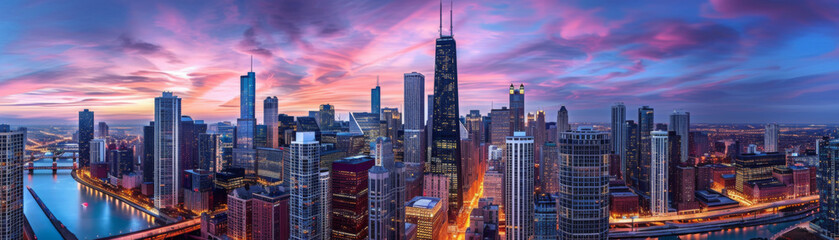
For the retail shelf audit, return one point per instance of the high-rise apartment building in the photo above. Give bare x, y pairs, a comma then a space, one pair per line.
680, 123
517, 119
771, 137
269, 117
659, 173
167, 116
85, 135
519, 187
619, 134
827, 219
12, 152
304, 163
583, 199
325, 204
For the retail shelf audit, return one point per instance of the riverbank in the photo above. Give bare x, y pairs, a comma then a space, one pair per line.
150, 211
671, 229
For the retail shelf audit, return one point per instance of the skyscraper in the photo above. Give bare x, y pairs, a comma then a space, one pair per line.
13, 147
770, 137
562, 124
325, 204
500, 128
327, 116
269, 118
646, 124
474, 125
680, 123
85, 135
349, 197
386, 193
247, 95
376, 98
167, 116
445, 131
246, 123
827, 219
103, 130
549, 168
517, 108
583, 200
632, 154
540, 134
519, 187
414, 116
304, 160
148, 159
619, 134
659, 171
545, 215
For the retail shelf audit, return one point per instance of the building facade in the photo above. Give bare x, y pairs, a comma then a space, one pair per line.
618, 137
771, 137
583, 199
85, 135
304, 163
659, 173
269, 117
167, 116
519, 187
12, 152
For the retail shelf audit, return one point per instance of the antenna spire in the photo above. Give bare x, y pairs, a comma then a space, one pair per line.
441, 18
251, 63
451, 18
377, 80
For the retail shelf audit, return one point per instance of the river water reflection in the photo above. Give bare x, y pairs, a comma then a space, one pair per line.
103, 216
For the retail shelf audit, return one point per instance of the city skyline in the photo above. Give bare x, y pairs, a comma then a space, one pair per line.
587, 57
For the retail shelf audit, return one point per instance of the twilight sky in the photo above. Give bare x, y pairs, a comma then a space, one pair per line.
722, 60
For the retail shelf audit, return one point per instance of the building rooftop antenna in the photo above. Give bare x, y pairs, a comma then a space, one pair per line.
441, 19
451, 18
251, 63
377, 80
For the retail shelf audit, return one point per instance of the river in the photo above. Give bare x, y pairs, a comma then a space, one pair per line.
104, 216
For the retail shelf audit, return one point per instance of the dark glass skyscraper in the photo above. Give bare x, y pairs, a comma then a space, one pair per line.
517, 108
826, 221
646, 124
247, 97
376, 98
445, 131
85, 135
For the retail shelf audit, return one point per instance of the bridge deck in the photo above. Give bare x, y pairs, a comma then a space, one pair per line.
65, 233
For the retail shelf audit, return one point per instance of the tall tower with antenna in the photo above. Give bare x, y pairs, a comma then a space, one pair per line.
445, 130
